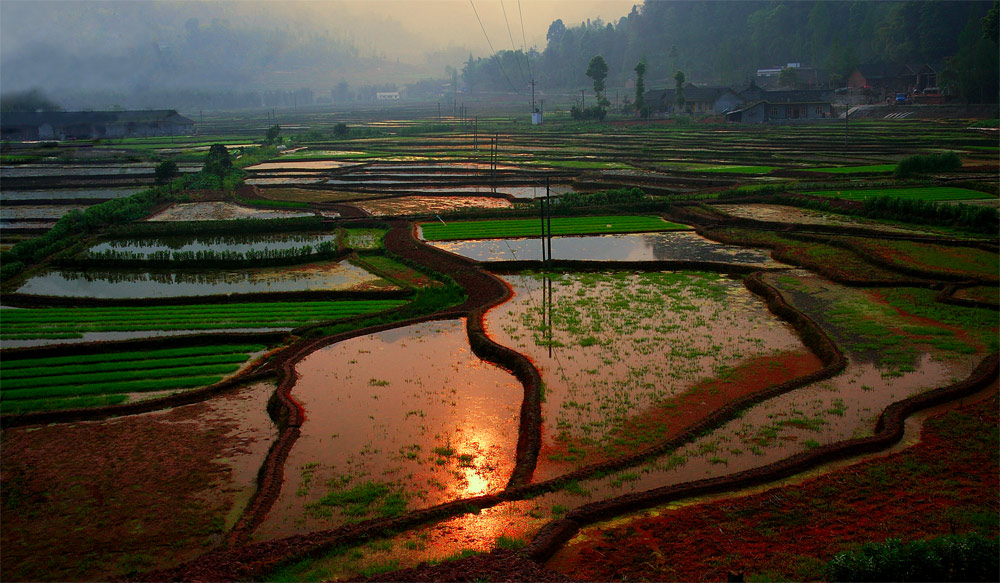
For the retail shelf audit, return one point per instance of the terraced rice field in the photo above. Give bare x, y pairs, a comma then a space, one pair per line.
533, 228
22, 324
930, 193
68, 382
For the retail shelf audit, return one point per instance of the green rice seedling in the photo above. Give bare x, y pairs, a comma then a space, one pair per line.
12, 386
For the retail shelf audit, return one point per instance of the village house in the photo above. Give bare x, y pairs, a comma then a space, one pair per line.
89, 125
766, 112
707, 100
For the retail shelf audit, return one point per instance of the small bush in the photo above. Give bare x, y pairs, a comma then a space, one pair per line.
948, 558
931, 163
596, 112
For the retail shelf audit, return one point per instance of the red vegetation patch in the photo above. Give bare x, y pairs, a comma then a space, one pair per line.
946, 483
673, 416
90, 501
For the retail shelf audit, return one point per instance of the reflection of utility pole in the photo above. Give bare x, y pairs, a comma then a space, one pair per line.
548, 284
541, 208
548, 218
847, 114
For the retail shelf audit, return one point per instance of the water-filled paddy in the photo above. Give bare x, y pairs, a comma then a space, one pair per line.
299, 165
622, 344
410, 205
787, 214
163, 283
95, 193
230, 243
685, 246
525, 192
409, 416
219, 211
47, 212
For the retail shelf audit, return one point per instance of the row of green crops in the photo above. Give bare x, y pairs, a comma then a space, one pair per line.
930, 193
35, 384
870, 169
73, 322
533, 228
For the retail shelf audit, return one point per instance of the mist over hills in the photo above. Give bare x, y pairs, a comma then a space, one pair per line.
166, 54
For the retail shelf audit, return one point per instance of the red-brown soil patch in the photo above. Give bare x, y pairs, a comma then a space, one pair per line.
960, 333
498, 567
671, 417
946, 483
91, 501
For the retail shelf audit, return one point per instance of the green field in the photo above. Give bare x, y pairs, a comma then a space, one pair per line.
737, 169
37, 384
73, 322
854, 169
533, 228
929, 193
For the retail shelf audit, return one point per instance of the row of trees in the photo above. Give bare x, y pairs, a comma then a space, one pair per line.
726, 42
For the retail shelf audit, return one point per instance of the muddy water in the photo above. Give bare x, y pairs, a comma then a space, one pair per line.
623, 343
52, 212
219, 211
409, 205
237, 244
525, 192
839, 408
162, 283
411, 410
300, 165
787, 214
686, 246
96, 193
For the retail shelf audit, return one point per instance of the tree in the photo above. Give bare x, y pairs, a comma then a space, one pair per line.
31, 100
640, 88
166, 171
598, 71
788, 78
218, 161
679, 100
556, 31
273, 135
991, 23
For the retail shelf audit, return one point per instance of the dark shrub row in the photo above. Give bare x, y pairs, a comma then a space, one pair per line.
930, 163
970, 557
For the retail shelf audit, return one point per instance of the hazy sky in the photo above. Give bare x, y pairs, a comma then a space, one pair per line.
136, 45
453, 22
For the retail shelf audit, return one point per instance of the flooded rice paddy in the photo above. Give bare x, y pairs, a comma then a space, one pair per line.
299, 165
405, 419
219, 211
232, 243
677, 245
28, 213
67, 193
412, 205
164, 283
612, 346
787, 214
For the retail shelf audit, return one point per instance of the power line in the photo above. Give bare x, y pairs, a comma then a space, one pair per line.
512, 46
495, 58
524, 43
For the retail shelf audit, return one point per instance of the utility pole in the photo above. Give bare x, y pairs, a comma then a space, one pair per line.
532, 96
475, 134
583, 99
